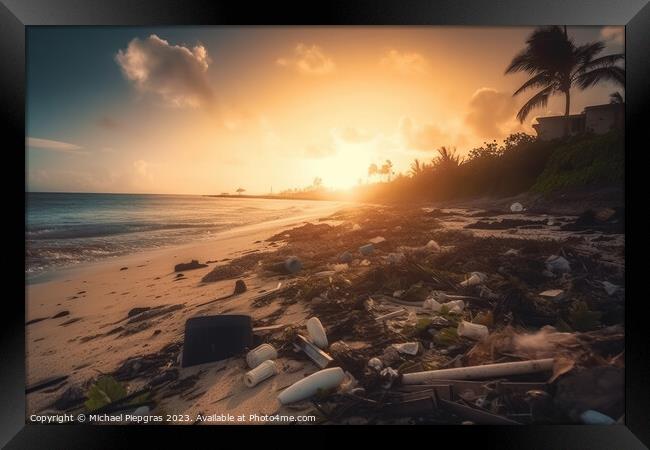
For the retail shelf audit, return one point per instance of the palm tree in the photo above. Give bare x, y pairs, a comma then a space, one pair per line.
557, 64
448, 159
416, 167
616, 98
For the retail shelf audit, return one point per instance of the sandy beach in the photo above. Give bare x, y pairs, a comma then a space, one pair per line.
94, 301
87, 328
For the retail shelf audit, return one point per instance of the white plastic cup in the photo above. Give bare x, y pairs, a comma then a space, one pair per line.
260, 354
265, 370
472, 330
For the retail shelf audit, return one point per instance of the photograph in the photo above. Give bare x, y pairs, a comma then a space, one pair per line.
325, 225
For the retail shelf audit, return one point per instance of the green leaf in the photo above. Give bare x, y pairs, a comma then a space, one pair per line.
582, 318
106, 390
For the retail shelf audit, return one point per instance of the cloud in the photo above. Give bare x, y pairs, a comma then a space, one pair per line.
175, 73
309, 60
425, 137
353, 135
56, 146
613, 34
405, 63
490, 112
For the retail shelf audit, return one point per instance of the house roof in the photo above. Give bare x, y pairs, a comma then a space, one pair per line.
547, 118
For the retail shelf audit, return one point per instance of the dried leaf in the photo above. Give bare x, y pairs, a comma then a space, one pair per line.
561, 365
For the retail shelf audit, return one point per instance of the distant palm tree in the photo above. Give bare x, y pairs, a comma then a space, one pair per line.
448, 159
616, 97
557, 64
416, 167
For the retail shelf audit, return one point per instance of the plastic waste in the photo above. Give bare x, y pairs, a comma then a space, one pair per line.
260, 354
409, 348
472, 330
375, 363
389, 375
432, 246
377, 240
516, 207
367, 250
309, 386
265, 370
292, 264
317, 332
610, 288
346, 257
592, 417
553, 294
557, 264
480, 372
474, 279
391, 315
141, 411
432, 304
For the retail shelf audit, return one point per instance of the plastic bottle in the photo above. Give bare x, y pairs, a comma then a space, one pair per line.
263, 371
260, 354
309, 386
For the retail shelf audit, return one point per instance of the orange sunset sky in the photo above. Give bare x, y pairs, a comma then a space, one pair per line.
202, 110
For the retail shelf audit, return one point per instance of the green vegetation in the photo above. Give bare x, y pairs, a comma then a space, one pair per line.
108, 390
593, 160
521, 163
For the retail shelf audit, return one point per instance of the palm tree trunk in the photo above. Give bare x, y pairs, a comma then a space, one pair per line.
567, 110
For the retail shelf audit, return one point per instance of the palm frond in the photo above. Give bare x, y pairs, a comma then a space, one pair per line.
541, 80
593, 77
523, 62
604, 61
585, 53
616, 98
538, 100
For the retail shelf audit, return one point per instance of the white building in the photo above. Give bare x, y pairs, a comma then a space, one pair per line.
598, 119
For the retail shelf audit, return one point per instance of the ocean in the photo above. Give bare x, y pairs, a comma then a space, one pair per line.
65, 230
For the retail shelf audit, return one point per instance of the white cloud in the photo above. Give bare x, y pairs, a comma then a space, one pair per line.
405, 63
309, 60
56, 146
175, 73
491, 113
613, 34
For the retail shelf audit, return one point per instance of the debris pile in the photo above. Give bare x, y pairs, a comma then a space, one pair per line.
412, 322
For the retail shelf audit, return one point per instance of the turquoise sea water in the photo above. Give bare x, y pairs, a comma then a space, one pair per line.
65, 229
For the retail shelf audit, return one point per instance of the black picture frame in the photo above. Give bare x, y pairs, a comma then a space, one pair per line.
16, 15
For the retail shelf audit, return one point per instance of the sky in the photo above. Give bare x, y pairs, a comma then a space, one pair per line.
208, 110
